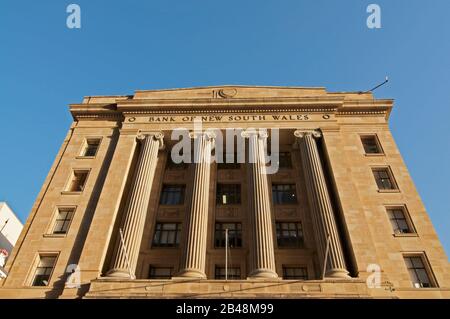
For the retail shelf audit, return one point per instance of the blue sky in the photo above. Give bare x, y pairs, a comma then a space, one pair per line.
128, 45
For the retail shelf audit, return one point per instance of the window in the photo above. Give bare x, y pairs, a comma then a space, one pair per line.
172, 195
234, 273
171, 165
91, 147
418, 272
234, 234
291, 272
284, 194
399, 221
285, 160
63, 219
78, 181
289, 234
160, 272
44, 270
228, 194
167, 235
384, 179
371, 144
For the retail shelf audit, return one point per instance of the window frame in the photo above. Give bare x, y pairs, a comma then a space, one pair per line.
407, 217
238, 193
426, 266
237, 230
66, 189
35, 266
297, 229
177, 239
219, 267
52, 224
183, 194
85, 144
377, 143
392, 179
276, 202
285, 267
152, 266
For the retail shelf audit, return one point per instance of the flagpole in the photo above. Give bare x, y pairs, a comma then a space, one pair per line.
226, 253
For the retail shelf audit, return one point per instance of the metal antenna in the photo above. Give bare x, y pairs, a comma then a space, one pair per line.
379, 85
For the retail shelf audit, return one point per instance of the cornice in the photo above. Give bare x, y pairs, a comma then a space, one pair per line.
338, 105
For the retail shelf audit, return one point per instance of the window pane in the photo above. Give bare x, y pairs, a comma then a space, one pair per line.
370, 145
172, 195
167, 235
228, 194
284, 194
234, 235
91, 147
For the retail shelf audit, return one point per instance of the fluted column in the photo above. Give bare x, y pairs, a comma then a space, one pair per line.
322, 210
263, 259
194, 257
136, 207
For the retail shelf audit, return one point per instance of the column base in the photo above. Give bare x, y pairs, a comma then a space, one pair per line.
190, 274
337, 273
263, 274
119, 273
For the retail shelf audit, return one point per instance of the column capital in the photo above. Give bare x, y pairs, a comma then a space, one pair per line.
303, 133
261, 133
156, 135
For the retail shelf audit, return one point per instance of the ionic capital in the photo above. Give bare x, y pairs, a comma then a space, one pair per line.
157, 136
261, 134
303, 133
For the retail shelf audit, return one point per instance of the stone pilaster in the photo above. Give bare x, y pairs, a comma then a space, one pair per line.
136, 207
263, 259
194, 257
320, 203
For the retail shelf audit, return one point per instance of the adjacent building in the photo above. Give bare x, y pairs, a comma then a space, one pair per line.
10, 228
120, 216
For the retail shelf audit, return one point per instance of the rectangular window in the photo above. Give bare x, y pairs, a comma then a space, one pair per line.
171, 165
160, 272
91, 147
384, 179
78, 181
44, 270
291, 272
284, 194
63, 219
289, 234
228, 194
233, 273
371, 144
418, 272
399, 220
172, 195
167, 235
285, 160
234, 234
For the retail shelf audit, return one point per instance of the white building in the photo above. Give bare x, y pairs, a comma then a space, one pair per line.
10, 228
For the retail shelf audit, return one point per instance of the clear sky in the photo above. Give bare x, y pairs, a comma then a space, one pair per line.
127, 45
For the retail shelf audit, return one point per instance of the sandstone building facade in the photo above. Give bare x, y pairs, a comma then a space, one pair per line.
117, 216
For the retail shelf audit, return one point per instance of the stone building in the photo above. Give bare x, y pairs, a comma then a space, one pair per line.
118, 216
